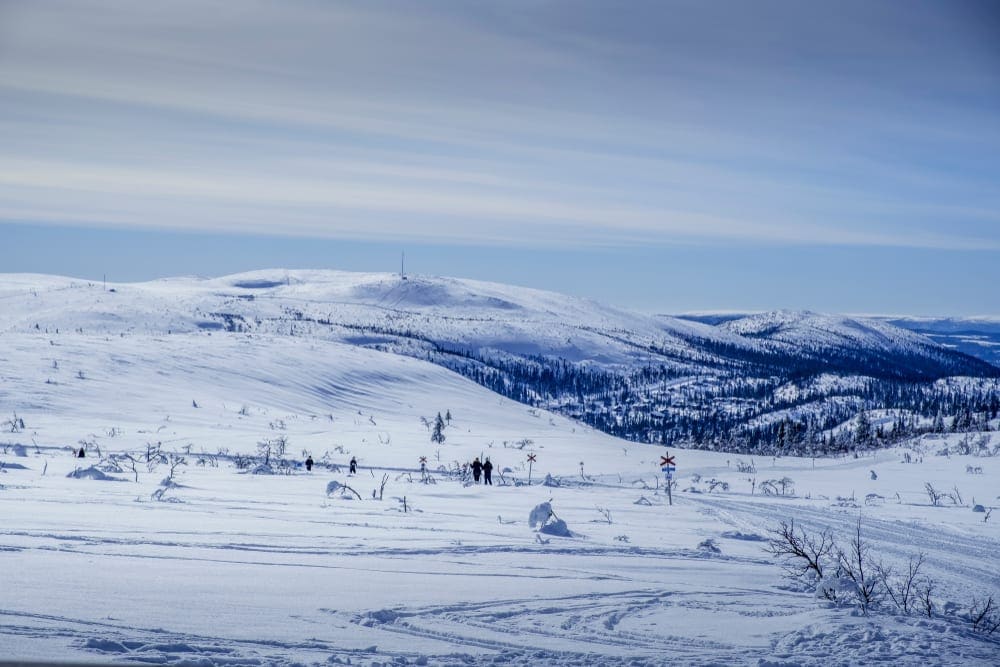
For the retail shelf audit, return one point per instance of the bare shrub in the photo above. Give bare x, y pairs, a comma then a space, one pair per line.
175, 461
714, 484
925, 593
856, 564
903, 589
802, 553
984, 615
243, 461
934, 495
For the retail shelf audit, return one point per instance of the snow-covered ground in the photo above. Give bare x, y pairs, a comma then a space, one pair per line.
229, 567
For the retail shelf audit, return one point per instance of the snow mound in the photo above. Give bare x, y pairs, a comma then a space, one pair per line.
336, 487
540, 514
92, 473
556, 527
746, 537
547, 522
105, 645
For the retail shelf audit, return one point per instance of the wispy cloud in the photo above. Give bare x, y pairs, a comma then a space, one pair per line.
511, 123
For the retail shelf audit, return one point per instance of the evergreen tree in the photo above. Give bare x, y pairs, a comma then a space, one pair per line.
939, 423
437, 435
862, 429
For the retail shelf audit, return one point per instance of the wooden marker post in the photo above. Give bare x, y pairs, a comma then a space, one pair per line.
531, 460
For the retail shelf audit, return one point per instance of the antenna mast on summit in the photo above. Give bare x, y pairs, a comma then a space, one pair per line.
402, 266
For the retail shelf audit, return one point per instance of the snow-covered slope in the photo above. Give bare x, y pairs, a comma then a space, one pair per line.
460, 312
975, 336
807, 329
466, 313
865, 343
208, 391
160, 546
184, 557
656, 379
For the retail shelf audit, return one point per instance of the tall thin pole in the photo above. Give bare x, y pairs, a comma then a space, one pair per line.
402, 265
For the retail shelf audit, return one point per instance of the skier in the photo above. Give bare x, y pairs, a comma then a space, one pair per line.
488, 472
354, 465
477, 469
309, 464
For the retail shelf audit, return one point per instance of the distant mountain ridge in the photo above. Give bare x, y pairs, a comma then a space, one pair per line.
766, 380
974, 336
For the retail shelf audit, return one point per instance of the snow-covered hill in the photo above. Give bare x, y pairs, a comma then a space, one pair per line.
209, 392
806, 329
653, 379
465, 313
975, 336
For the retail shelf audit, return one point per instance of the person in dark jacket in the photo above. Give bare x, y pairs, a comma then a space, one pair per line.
354, 465
488, 472
477, 469
309, 464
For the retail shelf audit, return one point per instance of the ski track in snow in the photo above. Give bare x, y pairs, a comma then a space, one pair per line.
955, 559
487, 593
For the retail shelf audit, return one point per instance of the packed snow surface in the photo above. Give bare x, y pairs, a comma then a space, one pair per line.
190, 558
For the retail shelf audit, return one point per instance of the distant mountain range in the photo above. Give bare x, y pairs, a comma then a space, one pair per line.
974, 336
773, 381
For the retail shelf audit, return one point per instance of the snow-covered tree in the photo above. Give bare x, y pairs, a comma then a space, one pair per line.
862, 428
437, 435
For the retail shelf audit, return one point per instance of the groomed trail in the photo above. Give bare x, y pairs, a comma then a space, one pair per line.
249, 570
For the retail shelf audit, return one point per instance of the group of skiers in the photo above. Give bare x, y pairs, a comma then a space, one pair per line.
484, 470
353, 464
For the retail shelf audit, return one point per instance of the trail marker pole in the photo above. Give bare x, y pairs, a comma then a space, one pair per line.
668, 466
531, 460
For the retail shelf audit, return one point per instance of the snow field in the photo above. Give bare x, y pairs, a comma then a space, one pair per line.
242, 569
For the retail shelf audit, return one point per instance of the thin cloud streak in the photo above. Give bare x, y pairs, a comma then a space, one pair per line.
497, 125
251, 203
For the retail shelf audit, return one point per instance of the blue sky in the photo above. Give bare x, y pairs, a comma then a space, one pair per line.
665, 156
